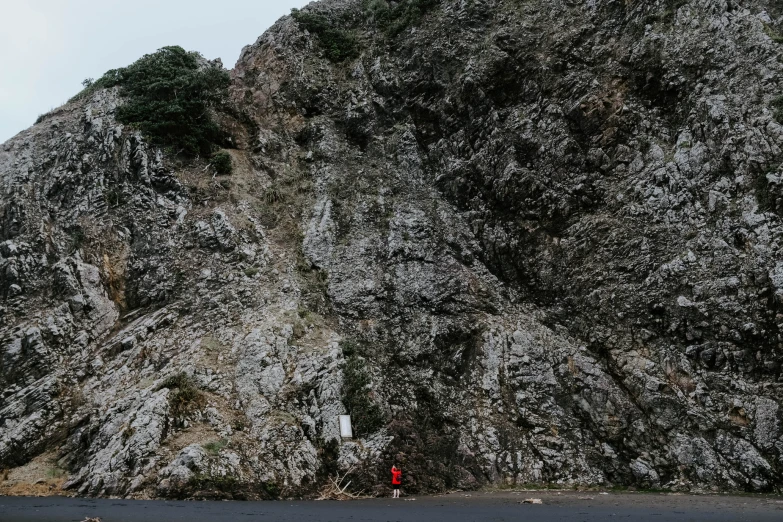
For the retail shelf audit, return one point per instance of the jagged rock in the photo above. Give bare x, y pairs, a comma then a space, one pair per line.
219, 234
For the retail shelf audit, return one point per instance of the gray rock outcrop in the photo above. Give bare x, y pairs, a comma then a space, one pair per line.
520, 242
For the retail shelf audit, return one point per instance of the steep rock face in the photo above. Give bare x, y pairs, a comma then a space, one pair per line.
145, 311
517, 241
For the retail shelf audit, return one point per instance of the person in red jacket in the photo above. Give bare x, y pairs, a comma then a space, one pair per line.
396, 481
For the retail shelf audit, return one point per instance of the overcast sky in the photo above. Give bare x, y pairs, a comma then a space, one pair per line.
47, 47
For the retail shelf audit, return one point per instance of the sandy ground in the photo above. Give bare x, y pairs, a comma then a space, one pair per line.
490, 506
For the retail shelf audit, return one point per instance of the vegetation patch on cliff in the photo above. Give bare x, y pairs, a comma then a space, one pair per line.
169, 96
773, 34
185, 396
221, 162
366, 415
338, 44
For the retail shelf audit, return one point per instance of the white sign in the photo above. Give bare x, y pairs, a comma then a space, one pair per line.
345, 427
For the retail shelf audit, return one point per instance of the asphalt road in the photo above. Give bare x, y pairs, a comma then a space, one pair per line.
503, 506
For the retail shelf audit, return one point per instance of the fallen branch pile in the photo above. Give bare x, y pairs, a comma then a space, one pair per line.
336, 490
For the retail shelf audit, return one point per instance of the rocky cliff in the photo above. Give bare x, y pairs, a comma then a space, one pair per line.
519, 241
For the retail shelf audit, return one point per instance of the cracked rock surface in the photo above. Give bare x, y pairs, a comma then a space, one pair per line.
518, 241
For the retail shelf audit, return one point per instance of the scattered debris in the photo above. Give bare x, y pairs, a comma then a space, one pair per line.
92, 519
532, 501
335, 490
603, 493
586, 498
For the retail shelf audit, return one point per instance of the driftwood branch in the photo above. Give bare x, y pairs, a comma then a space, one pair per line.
336, 490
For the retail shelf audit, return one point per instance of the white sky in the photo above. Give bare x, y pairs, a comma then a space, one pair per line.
47, 47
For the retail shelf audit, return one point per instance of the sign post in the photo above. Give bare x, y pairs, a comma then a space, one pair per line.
346, 432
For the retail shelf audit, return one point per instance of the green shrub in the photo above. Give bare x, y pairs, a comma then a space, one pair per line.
55, 473
168, 96
215, 447
338, 44
222, 162
349, 348
774, 35
91, 85
185, 396
272, 195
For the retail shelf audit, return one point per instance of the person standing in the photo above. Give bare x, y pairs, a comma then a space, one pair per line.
396, 481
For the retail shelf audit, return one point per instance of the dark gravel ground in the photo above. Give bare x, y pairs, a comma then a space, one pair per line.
496, 506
